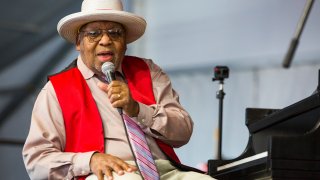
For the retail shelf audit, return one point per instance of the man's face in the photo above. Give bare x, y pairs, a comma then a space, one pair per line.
109, 46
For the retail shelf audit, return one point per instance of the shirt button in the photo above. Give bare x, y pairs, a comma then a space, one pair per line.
142, 120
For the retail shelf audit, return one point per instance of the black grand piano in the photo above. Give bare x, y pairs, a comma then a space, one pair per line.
283, 144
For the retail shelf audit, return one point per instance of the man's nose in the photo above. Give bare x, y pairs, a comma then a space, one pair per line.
105, 39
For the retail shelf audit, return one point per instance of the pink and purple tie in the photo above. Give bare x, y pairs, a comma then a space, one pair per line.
141, 150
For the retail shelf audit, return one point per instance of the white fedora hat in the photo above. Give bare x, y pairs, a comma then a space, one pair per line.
101, 10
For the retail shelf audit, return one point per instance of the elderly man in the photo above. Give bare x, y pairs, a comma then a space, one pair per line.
76, 129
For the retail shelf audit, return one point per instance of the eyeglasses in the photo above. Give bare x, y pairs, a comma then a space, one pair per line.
96, 35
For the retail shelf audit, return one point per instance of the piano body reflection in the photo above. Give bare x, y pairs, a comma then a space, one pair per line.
283, 144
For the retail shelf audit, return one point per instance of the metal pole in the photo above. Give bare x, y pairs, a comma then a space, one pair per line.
220, 95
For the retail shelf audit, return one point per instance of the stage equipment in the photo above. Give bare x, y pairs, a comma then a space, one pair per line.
220, 73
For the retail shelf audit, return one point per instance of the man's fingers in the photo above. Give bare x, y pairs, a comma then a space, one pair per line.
115, 97
108, 173
128, 167
112, 91
100, 175
104, 164
103, 86
132, 168
122, 166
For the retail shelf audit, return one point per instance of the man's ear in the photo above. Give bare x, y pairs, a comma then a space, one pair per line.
78, 46
78, 41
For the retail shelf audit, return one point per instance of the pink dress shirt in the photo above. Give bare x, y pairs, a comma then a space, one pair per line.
43, 150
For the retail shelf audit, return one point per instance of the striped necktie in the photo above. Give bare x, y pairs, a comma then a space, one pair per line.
141, 150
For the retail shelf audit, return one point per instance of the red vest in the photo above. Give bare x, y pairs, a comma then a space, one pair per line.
83, 124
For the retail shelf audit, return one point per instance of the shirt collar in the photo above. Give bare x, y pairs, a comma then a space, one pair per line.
86, 72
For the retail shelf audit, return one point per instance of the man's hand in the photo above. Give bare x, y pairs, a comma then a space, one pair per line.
103, 164
120, 97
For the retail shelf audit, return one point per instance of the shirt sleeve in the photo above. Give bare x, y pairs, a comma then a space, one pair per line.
43, 150
167, 120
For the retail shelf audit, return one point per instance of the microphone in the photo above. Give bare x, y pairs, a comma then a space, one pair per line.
108, 70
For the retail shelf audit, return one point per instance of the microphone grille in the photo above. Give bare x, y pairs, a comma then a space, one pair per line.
107, 67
